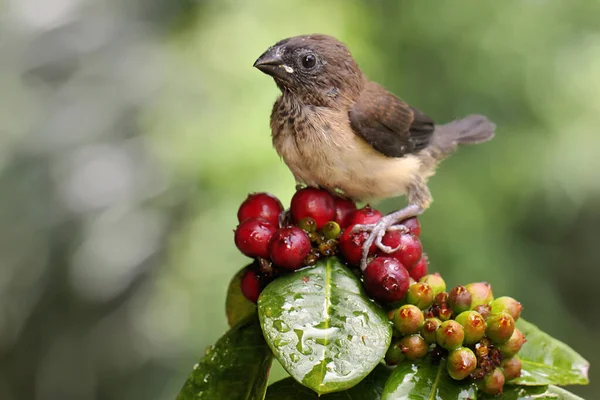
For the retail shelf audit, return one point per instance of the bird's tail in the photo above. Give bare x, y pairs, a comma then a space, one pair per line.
472, 129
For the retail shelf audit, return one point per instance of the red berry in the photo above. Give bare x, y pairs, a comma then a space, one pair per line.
252, 237
343, 209
409, 247
413, 225
314, 203
365, 215
260, 205
351, 245
419, 270
251, 285
386, 280
288, 247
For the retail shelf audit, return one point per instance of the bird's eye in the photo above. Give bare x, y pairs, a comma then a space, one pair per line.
309, 61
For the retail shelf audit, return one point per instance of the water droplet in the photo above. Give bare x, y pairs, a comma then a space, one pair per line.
268, 311
281, 326
294, 357
280, 342
206, 378
318, 287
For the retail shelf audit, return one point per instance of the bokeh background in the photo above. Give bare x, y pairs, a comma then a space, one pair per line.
130, 131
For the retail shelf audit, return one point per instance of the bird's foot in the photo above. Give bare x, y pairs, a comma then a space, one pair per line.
285, 218
378, 230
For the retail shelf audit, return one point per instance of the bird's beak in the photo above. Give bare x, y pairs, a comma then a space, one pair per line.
271, 63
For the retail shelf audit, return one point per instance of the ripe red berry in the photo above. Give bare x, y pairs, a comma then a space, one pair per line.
419, 270
260, 205
288, 247
314, 203
413, 225
251, 285
386, 280
252, 237
409, 247
351, 245
343, 209
365, 215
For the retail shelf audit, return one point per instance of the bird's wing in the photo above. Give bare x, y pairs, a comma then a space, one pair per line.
388, 124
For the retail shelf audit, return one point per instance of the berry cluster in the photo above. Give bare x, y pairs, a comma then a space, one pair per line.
320, 224
475, 333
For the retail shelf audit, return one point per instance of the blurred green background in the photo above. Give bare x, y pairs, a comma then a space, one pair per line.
130, 132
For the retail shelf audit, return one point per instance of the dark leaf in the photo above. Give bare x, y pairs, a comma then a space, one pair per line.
533, 393
322, 327
236, 367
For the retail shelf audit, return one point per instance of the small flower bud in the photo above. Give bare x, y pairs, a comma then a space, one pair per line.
308, 224
511, 368
459, 299
484, 309
408, 319
481, 293
394, 355
450, 335
441, 298
473, 324
461, 363
420, 295
493, 382
500, 327
507, 304
435, 281
331, 230
414, 347
429, 328
514, 344
445, 313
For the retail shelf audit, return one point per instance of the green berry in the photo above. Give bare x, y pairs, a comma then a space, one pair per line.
430, 326
331, 230
461, 363
507, 304
445, 313
394, 355
459, 299
450, 335
511, 368
500, 327
420, 294
493, 382
514, 344
308, 224
435, 281
414, 347
481, 293
408, 319
473, 324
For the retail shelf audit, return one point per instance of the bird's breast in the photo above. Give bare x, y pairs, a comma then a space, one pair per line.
320, 148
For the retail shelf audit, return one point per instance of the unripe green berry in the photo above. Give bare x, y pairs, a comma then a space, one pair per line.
461, 363
414, 347
459, 299
493, 382
511, 368
394, 355
485, 310
408, 319
514, 344
445, 312
507, 304
435, 281
420, 295
481, 293
331, 230
308, 224
473, 324
429, 328
450, 335
500, 327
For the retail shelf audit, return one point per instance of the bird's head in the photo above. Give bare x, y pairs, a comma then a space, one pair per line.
318, 69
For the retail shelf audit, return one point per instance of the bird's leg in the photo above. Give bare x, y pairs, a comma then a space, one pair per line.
378, 230
285, 218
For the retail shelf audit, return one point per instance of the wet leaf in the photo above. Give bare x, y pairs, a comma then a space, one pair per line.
237, 306
369, 388
235, 368
426, 381
548, 361
322, 327
533, 393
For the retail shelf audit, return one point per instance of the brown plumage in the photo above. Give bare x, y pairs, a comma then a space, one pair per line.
338, 130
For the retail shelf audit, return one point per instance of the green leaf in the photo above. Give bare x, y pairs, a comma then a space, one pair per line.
369, 388
548, 361
533, 393
322, 327
426, 381
235, 368
237, 306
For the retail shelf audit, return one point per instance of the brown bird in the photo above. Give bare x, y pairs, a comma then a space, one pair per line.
336, 129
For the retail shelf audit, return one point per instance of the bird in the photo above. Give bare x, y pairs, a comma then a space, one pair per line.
337, 130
